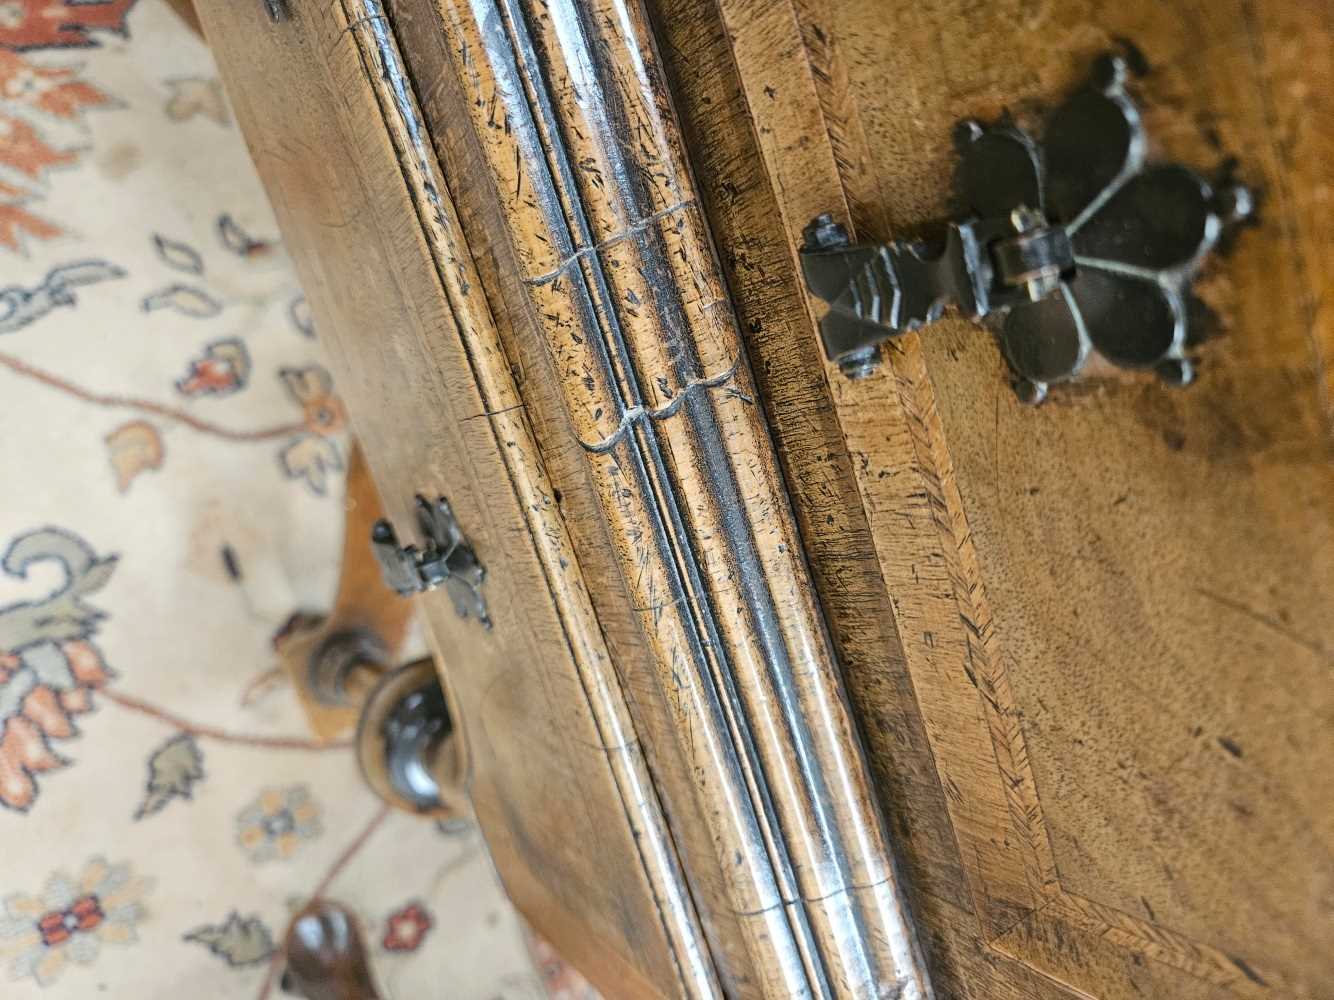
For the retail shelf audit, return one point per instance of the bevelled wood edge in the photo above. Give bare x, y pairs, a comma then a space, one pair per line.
569, 107
514, 441
752, 247
814, 153
567, 847
185, 10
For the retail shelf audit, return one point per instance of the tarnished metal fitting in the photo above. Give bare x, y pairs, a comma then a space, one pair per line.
1070, 246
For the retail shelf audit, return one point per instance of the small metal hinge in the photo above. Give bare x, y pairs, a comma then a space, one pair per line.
445, 559
1071, 245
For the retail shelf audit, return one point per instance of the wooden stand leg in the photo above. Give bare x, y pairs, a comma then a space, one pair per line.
333, 661
343, 668
325, 954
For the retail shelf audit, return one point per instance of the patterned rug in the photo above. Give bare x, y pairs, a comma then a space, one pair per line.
172, 456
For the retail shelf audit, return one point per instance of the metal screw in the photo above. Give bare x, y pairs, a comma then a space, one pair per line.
1111, 71
1039, 284
824, 233
1236, 203
966, 133
1024, 218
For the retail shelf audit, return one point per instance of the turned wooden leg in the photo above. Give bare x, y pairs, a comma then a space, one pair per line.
326, 955
343, 668
335, 659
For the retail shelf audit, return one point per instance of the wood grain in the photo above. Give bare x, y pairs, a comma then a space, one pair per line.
1077, 655
557, 778
1114, 609
615, 262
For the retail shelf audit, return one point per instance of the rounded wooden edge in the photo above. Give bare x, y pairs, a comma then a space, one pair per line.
325, 955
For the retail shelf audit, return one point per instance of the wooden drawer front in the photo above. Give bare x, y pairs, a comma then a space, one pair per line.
1113, 609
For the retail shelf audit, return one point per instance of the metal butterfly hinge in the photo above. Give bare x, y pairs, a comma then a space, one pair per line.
1070, 246
445, 559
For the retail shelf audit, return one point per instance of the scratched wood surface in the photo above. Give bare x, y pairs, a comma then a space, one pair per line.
1076, 657
560, 112
556, 776
789, 886
1112, 612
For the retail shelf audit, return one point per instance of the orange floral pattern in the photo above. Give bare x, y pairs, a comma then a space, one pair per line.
45, 713
314, 455
49, 668
37, 104
45, 24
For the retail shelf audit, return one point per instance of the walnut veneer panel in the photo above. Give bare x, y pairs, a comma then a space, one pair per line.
1114, 609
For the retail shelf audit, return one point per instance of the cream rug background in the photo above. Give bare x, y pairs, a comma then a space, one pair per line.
171, 459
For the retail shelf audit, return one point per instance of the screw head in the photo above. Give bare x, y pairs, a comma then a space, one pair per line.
824, 233
1111, 71
1236, 203
1024, 219
966, 133
861, 363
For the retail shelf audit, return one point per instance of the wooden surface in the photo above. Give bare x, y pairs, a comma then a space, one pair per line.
324, 955
185, 10
557, 778
732, 673
1113, 610
1077, 657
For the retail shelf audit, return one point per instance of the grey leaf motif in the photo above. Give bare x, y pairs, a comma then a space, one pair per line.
61, 615
237, 240
184, 299
299, 312
178, 255
95, 576
173, 770
83, 272
20, 306
238, 941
